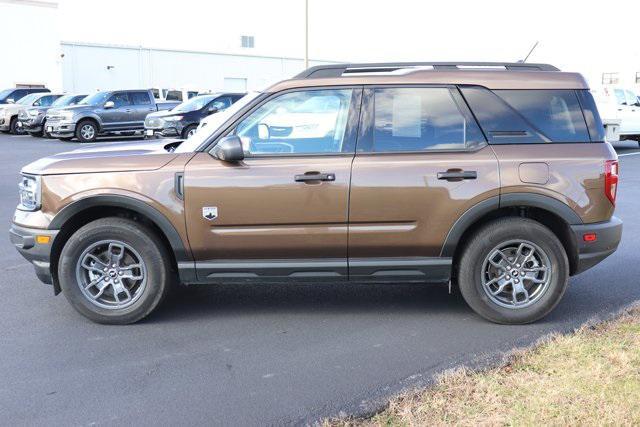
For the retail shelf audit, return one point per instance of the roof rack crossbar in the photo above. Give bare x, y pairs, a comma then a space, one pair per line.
337, 70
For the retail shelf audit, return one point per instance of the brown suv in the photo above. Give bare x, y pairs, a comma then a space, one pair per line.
493, 177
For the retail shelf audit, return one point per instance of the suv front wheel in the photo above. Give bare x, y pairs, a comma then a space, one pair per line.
87, 131
513, 271
114, 271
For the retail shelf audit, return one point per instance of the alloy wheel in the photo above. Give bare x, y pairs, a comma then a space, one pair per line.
515, 274
111, 274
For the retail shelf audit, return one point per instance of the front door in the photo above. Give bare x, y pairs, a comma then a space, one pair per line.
282, 212
115, 118
421, 162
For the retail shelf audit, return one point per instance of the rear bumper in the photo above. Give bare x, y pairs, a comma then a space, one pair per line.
38, 254
608, 235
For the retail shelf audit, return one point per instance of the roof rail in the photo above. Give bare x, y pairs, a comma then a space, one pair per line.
339, 70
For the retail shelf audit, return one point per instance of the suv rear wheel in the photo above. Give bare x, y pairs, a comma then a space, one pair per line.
513, 271
86, 131
114, 271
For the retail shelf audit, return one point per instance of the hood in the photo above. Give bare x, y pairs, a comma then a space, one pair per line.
109, 157
165, 113
76, 108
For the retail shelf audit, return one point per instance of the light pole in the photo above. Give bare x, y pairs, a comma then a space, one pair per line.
306, 34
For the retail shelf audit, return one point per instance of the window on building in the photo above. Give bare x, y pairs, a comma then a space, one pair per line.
610, 78
247, 41
638, 77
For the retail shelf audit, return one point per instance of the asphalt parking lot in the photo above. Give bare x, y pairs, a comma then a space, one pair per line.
249, 355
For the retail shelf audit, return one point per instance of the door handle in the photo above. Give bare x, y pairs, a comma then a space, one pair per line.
315, 176
127, 111
457, 175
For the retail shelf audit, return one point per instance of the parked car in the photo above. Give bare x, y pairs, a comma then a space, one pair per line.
620, 109
33, 120
495, 179
183, 120
180, 95
12, 95
9, 112
119, 112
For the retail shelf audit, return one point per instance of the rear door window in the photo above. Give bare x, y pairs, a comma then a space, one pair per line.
419, 119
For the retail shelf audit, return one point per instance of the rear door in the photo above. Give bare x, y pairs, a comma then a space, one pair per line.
421, 161
282, 212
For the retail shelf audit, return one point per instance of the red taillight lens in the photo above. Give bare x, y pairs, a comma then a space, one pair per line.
611, 180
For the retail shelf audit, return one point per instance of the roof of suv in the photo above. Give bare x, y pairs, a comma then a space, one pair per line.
490, 75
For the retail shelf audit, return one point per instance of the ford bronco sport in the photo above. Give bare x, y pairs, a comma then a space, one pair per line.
492, 177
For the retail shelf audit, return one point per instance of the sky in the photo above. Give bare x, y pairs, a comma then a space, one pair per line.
586, 36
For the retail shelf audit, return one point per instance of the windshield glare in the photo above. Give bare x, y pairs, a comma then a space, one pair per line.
194, 104
6, 92
96, 99
63, 101
214, 121
29, 99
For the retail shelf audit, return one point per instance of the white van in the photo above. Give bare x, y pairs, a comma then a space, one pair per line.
619, 107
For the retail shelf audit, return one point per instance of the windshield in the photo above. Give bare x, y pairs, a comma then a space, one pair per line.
96, 99
65, 100
5, 93
214, 121
194, 104
29, 99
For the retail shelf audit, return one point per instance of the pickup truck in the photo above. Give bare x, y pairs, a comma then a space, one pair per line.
619, 108
120, 112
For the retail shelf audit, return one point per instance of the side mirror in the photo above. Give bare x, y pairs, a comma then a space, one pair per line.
10, 101
229, 149
109, 104
213, 109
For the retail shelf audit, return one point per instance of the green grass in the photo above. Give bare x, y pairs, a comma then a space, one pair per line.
591, 377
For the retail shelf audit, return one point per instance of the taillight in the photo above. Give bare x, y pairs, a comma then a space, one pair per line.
611, 180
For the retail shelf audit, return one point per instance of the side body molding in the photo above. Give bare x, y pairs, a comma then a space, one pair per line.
182, 254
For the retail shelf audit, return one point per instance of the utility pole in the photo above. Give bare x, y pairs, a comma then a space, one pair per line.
306, 34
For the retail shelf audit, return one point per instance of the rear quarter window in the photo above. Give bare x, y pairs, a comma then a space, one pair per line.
528, 116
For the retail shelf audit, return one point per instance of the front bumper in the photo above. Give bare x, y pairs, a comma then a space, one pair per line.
32, 125
61, 129
608, 235
39, 254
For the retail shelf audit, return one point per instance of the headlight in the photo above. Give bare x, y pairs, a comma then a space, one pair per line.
172, 118
29, 189
33, 112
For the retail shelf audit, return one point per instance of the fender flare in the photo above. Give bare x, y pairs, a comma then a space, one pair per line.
112, 200
479, 210
93, 117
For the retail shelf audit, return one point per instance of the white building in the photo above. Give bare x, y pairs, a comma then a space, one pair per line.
88, 67
30, 44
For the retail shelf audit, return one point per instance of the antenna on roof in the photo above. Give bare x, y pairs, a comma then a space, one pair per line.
530, 52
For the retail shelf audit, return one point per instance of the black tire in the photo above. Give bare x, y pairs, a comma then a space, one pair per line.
153, 254
45, 134
37, 134
81, 135
185, 131
478, 248
13, 127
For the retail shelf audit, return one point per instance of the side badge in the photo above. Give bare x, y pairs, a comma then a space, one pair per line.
210, 212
